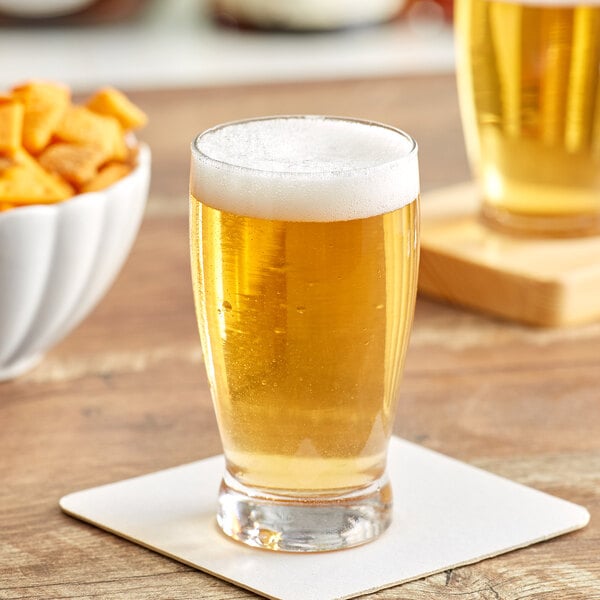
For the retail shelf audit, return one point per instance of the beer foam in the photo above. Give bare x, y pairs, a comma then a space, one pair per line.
305, 169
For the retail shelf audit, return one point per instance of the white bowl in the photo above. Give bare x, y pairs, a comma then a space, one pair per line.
58, 260
43, 8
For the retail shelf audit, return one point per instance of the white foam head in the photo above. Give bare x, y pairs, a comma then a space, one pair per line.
305, 168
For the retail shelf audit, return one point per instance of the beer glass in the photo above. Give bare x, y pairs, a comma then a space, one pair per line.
529, 87
304, 251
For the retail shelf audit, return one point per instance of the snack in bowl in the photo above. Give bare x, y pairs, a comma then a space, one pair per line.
73, 188
52, 149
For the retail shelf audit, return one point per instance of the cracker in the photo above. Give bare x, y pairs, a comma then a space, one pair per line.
11, 124
74, 163
20, 184
108, 175
45, 104
109, 101
82, 126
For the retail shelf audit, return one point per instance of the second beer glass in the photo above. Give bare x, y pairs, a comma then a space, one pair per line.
529, 83
304, 245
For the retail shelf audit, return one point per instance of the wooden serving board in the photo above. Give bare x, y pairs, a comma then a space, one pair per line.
546, 282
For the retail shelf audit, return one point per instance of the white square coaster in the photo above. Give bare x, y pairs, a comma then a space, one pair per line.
446, 514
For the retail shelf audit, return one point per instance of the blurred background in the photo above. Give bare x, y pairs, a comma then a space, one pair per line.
141, 44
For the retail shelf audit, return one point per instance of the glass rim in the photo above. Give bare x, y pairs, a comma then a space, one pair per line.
199, 155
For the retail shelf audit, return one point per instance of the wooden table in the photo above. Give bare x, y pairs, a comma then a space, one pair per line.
126, 393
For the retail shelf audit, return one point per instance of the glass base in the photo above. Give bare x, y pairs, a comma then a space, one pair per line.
299, 524
559, 226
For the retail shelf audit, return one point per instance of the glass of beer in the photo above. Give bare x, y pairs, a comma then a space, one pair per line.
529, 86
304, 251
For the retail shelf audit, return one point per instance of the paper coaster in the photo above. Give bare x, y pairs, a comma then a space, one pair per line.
446, 514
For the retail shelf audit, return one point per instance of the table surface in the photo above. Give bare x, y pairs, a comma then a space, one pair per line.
126, 393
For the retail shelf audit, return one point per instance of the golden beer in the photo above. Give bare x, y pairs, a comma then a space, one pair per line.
307, 325
304, 259
528, 76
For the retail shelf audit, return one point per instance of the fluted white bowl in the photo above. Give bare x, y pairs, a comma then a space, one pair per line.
58, 260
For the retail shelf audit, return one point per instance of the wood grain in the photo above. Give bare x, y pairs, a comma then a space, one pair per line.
548, 282
126, 393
